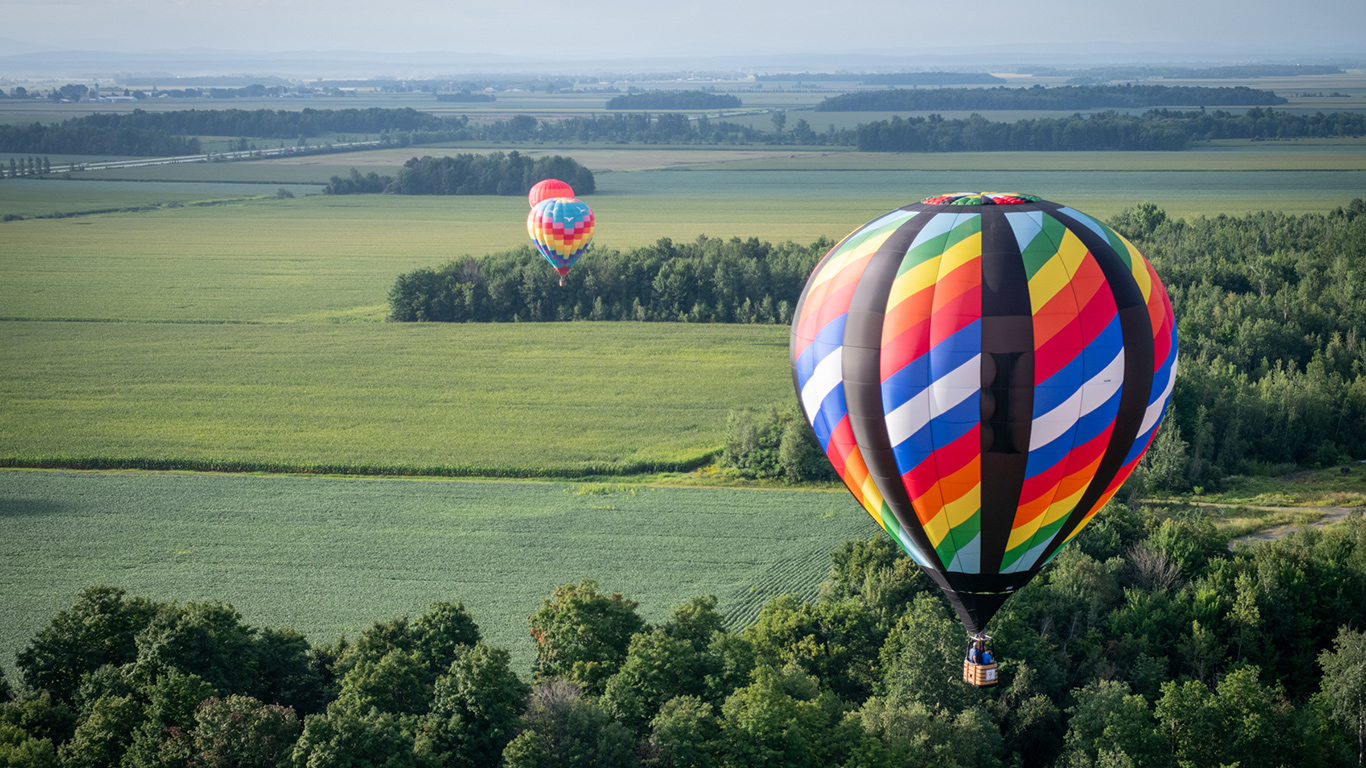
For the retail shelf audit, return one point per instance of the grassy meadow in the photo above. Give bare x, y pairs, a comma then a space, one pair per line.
331, 556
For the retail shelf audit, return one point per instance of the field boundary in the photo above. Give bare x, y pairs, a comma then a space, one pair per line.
627, 469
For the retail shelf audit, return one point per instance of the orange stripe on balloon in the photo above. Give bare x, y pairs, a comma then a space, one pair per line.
833, 300
1080, 330
943, 462
955, 283
1038, 493
906, 313
905, 349
954, 316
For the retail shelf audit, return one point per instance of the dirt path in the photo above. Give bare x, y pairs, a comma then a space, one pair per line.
1330, 515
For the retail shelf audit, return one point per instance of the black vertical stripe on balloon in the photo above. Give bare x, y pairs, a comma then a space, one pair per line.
862, 375
1136, 328
801, 302
1008, 359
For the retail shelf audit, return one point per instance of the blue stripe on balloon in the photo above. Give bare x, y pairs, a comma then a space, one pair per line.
1086, 221
1026, 226
1055, 390
969, 558
955, 350
828, 339
833, 410
1102, 350
905, 384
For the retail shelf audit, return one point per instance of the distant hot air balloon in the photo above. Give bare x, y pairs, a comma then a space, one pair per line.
561, 228
548, 189
984, 372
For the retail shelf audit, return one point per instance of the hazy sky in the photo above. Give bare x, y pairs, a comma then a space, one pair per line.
577, 29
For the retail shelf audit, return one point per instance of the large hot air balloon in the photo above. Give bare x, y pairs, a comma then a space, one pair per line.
561, 228
549, 188
983, 371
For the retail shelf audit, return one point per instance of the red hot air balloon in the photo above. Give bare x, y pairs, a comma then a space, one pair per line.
984, 372
544, 190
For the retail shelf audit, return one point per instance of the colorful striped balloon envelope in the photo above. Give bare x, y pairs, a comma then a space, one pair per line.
561, 228
984, 372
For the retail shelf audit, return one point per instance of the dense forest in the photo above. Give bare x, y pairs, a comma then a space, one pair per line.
1270, 313
885, 78
1147, 642
674, 100
1063, 97
467, 174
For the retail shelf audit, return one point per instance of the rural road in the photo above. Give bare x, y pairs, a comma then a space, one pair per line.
203, 158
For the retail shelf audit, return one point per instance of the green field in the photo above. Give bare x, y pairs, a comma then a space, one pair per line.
219, 326
436, 398
332, 556
644, 193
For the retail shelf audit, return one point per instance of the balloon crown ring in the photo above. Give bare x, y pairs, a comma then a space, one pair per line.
981, 198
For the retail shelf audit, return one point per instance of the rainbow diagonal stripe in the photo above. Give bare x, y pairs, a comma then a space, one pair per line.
984, 372
561, 228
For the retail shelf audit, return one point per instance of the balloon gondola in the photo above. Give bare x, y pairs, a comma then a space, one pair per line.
983, 371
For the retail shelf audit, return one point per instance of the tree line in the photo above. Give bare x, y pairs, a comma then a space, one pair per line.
1268, 306
27, 166
1270, 317
1171, 72
1146, 642
467, 174
884, 78
707, 280
143, 133
466, 96
1153, 130
689, 100
1062, 97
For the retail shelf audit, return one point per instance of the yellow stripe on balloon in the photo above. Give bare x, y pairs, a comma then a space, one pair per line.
1061, 508
913, 281
928, 272
1139, 265
841, 260
937, 528
961, 253
1056, 273
961, 509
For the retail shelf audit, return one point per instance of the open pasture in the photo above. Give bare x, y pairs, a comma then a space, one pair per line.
332, 556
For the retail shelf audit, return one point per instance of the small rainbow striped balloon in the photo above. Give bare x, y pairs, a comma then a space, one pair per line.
561, 228
984, 372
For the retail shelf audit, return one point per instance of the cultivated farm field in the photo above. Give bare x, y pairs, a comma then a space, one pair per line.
496, 400
328, 556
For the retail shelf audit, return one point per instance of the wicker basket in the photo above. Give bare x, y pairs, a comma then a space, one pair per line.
980, 675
